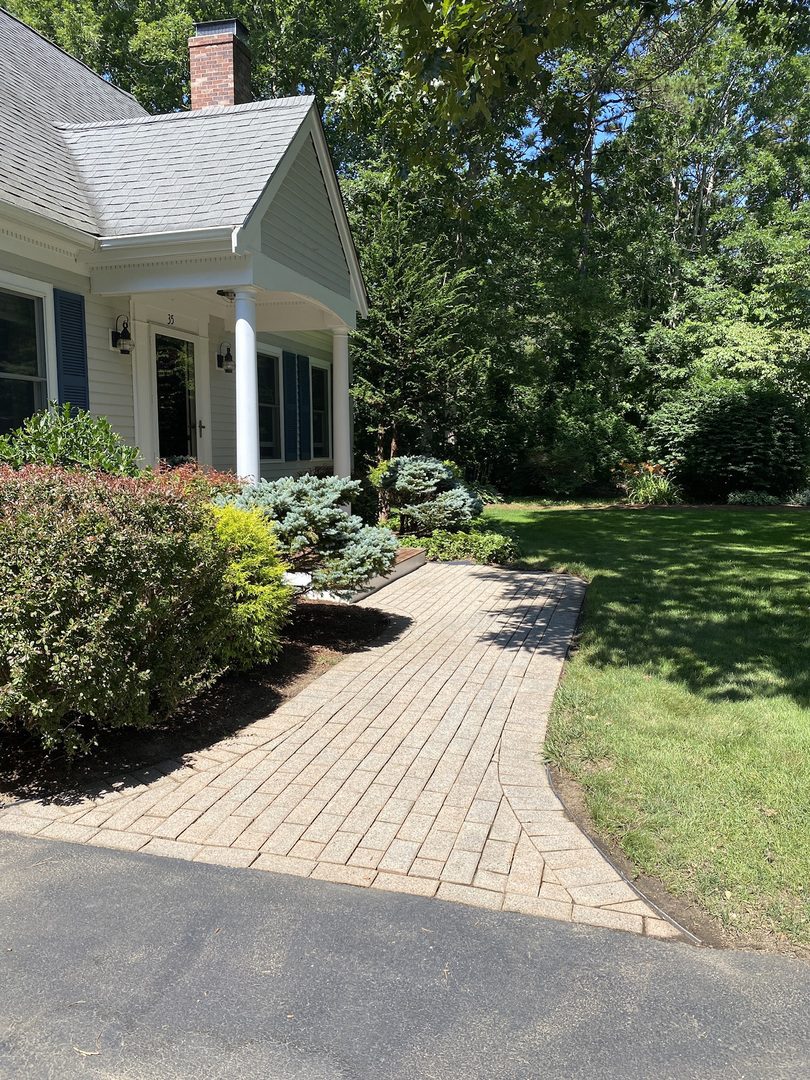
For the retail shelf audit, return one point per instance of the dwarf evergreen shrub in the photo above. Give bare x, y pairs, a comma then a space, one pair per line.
316, 535
425, 494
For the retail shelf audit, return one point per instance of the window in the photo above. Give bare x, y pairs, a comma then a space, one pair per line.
23, 387
269, 408
320, 412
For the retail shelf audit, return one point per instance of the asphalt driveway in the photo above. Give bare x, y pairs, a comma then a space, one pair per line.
120, 965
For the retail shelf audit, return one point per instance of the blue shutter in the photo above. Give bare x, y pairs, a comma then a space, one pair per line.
290, 407
71, 349
304, 409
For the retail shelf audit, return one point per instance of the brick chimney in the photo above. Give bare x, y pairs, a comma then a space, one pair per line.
220, 64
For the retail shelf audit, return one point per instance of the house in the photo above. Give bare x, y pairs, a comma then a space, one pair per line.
191, 275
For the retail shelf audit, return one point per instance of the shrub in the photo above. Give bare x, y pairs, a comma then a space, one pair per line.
74, 440
316, 535
113, 602
426, 494
450, 510
192, 479
260, 600
648, 484
800, 498
727, 437
413, 479
482, 546
753, 498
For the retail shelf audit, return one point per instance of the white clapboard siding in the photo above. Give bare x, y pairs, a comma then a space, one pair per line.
223, 402
109, 373
299, 229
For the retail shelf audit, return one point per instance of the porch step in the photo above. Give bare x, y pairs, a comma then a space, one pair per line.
407, 560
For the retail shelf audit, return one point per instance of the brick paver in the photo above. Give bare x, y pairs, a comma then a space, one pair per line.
413, 766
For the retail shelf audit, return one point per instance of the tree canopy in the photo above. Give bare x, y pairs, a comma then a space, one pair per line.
568, 213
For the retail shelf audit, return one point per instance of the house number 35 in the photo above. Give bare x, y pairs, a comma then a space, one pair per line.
170, 320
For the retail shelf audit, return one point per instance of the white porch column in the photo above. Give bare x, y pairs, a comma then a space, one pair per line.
247, 387
341, 404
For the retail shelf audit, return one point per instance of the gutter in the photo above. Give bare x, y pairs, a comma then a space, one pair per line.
220, 240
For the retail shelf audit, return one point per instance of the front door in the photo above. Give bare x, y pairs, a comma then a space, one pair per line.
176, 399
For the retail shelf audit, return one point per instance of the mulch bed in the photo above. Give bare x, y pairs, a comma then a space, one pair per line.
318, 637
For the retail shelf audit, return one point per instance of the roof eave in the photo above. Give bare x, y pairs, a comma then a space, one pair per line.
218, 239
48, 225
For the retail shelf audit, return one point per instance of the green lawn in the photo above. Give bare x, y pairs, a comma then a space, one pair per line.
685, 714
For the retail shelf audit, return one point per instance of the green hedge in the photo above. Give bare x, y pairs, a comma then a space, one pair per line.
727, 437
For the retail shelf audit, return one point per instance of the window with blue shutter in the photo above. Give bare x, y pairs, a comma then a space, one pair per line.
71, 349
290, 361
304, 418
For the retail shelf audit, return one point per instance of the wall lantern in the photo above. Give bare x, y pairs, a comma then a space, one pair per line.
122, 339
225, 359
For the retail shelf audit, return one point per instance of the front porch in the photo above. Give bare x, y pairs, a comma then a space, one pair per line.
240, 379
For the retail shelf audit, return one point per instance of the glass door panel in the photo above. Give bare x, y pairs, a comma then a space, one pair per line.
177, 413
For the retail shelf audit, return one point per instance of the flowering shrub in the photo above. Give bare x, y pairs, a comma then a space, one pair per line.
58, 436
648, 484
426, 494
114, 601
314, 532
260, 601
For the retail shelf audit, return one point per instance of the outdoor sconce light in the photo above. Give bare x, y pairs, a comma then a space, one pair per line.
122, 339
225, 359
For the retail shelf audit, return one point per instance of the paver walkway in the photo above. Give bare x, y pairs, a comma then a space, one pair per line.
412, 766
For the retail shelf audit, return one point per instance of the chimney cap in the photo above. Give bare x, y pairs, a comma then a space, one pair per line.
222, 26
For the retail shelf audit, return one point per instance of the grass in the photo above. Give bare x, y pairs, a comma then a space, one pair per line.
685, 713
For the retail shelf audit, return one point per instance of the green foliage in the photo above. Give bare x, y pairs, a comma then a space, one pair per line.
753, 498
476, 545
73, 439
648, 484
113, 602
581, 446
725, 437
413, 479
800, 498
426, 494
260, 600
314, 532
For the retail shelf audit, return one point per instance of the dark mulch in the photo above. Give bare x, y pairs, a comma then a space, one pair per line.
318, 636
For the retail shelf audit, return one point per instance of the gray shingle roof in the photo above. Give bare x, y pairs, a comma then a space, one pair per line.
183, 170
40, 85
78, 150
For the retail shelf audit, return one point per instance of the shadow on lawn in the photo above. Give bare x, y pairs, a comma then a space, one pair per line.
318, 636
717, 600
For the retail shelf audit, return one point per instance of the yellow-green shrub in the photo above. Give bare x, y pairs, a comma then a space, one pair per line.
255, 578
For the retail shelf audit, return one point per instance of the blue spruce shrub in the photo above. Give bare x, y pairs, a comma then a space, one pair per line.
451, 510
314, 532
425, 494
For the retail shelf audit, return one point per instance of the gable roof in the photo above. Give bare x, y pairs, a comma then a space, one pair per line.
40, 87
164, 173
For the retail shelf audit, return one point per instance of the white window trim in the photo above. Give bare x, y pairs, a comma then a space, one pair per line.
44, 292
272, 350
314, 362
